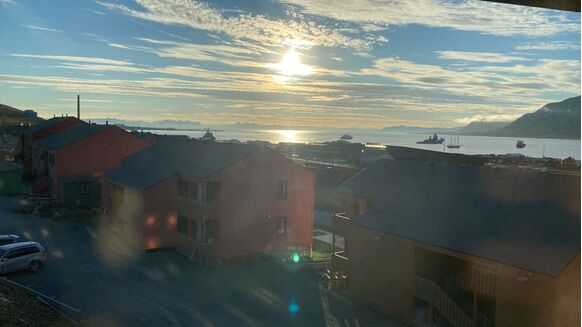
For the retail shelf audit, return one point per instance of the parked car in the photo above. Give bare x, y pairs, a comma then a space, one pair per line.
21, 256
8, 239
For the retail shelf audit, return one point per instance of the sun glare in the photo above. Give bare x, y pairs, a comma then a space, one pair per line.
288, 135
290, 66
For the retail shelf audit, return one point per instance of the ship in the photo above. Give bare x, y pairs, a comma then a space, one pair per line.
346, 137
454, 144
432, 140
520, 144
208, 136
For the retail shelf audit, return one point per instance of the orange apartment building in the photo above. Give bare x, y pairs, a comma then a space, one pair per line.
443, 244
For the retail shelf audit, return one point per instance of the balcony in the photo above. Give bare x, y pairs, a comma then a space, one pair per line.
339, 261
339, 224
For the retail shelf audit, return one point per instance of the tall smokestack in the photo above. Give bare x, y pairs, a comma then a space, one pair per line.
78, 106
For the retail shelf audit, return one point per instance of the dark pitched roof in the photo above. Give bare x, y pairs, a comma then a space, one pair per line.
48, 123
170, 157
77, 179
71, 135
525, 219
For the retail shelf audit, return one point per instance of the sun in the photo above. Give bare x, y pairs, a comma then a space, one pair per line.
290, 67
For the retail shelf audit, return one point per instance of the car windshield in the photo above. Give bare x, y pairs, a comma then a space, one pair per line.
291, 162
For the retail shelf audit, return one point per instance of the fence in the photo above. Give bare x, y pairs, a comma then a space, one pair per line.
66, 311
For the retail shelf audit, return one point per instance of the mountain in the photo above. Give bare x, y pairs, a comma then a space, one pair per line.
8, 111
554, 120
12, 116
482, 127
174, 124
419, 130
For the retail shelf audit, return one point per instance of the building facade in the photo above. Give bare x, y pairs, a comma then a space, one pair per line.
86, 150
464, 246
212, 199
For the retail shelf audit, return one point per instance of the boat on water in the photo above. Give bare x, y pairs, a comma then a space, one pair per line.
520, 144
432, 140
454, 144
346, 137
208, 136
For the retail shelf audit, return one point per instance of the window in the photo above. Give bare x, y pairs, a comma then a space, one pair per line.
212, 192
85, 188
182, 225
28, 250
194, 191
183, 188
281, 189
282, 226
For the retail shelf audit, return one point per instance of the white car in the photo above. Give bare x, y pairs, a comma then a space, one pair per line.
21, 256
8, 239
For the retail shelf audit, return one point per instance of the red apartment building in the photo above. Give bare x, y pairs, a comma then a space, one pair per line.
87, 150
445, 244
34, 163
211, 199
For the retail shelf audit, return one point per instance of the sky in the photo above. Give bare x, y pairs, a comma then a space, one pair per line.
319, 63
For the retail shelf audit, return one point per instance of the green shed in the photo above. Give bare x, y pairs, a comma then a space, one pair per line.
80, 191
11, 178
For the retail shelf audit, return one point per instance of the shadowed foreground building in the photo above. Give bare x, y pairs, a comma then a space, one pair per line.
470, 246
211, 199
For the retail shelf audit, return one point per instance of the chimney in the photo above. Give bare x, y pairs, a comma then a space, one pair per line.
106, 122
78, 106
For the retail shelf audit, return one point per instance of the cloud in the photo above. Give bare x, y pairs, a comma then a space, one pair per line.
74, 59
8, 2
239, 25
94, 11
478, 56
149, 87
40, 28
502, 83
488, 118
465, 15
549, 46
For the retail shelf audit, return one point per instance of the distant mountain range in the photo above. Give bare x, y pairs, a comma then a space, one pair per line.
554, 120
482, 127
560, 120
419, 130
173, 124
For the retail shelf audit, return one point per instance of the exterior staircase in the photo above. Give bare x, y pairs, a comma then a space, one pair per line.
438, 299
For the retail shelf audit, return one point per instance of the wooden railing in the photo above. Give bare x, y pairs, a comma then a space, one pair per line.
211, 211
340, 223
479, 279
437, 298
339, 261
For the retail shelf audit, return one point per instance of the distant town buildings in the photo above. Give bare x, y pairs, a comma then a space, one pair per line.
433, 243
29, 114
